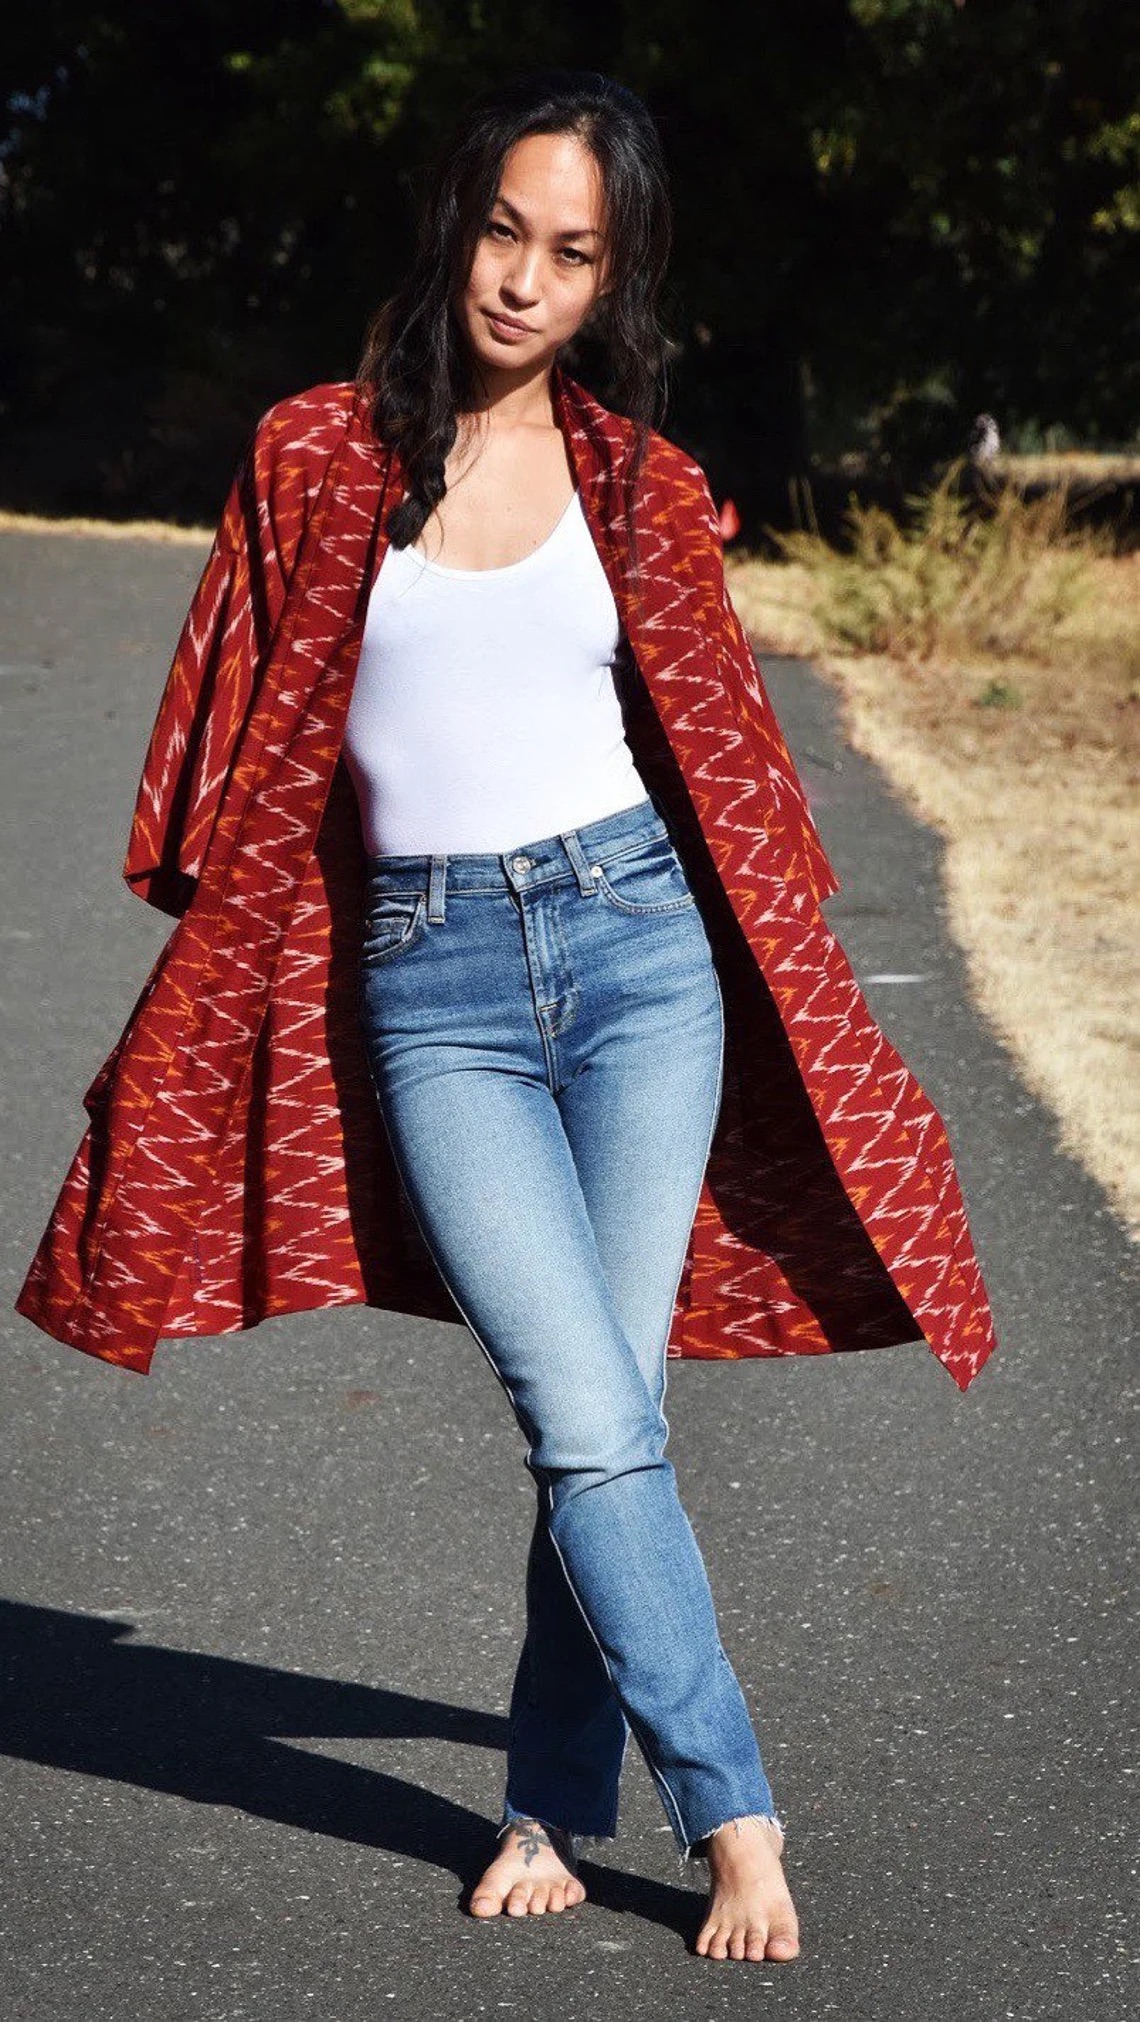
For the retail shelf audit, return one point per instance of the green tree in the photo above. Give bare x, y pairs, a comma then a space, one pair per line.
891, 214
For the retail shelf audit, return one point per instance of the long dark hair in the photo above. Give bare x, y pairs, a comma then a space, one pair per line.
415, 363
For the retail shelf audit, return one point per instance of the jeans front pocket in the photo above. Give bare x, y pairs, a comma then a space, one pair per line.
393, 921
650, 878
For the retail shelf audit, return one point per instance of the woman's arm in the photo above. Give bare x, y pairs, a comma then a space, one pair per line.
222, 647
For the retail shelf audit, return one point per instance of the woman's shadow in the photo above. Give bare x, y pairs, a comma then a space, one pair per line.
79, 1695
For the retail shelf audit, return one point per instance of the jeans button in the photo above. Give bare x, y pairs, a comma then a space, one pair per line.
522, 863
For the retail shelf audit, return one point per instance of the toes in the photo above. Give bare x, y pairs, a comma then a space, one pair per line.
526, 1896
486, 1905
745, 1941
783, 1936
711, 1942
782, 1944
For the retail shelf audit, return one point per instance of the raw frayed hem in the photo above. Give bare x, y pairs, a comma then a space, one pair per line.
690, 1853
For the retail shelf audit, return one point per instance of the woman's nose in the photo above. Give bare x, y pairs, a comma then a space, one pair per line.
522, 276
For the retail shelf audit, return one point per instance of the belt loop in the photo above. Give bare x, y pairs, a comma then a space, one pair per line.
576, 854
437, 885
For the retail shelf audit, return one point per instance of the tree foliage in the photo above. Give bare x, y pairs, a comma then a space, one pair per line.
891, 214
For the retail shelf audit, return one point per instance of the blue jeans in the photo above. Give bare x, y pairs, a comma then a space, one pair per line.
545, 1036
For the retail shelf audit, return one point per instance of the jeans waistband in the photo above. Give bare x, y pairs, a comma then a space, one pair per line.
543, 861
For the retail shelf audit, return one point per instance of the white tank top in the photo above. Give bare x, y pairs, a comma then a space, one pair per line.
484, 712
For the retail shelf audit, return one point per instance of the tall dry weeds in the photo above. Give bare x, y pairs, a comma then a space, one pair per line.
964, 578
987, 656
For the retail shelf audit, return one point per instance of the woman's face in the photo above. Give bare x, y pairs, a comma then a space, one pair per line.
539, 259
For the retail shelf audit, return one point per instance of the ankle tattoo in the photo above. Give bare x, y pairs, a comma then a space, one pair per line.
533, 1836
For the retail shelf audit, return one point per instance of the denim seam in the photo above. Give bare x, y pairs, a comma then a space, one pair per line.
687, 1845
658, 1775
613, 898
643, 842
372, 954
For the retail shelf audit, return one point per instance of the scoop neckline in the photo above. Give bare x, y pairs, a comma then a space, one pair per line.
505, 568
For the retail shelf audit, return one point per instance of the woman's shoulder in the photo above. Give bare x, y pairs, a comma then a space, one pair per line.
676, 486
676, 468
312, 414
666, 457
292, 444
669, 475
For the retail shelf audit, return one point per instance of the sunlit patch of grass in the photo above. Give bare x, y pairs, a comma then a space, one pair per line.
988, 660
958, 579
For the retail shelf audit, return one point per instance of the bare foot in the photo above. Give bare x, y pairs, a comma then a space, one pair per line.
532, 1872
751, 1914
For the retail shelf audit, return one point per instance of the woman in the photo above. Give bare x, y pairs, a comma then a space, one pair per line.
499, 990
540, 1004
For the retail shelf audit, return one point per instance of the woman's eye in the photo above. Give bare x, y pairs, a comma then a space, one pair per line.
568, 252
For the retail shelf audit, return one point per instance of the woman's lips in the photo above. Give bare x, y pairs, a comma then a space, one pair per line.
505, 328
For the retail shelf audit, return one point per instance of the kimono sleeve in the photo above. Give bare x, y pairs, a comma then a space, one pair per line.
221, 649
759, 724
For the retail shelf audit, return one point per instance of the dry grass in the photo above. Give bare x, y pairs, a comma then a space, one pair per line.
994, 674
103, 530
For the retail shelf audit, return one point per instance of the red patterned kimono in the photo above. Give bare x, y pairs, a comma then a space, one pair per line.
235, 1164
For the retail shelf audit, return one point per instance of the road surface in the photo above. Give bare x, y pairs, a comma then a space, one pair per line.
261, 1608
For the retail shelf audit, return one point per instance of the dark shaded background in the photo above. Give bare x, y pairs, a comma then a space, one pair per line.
890, 215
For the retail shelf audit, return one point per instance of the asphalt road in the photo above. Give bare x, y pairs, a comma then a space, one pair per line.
262, 1607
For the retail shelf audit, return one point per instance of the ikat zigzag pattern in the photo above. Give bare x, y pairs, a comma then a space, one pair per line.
235, 1165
